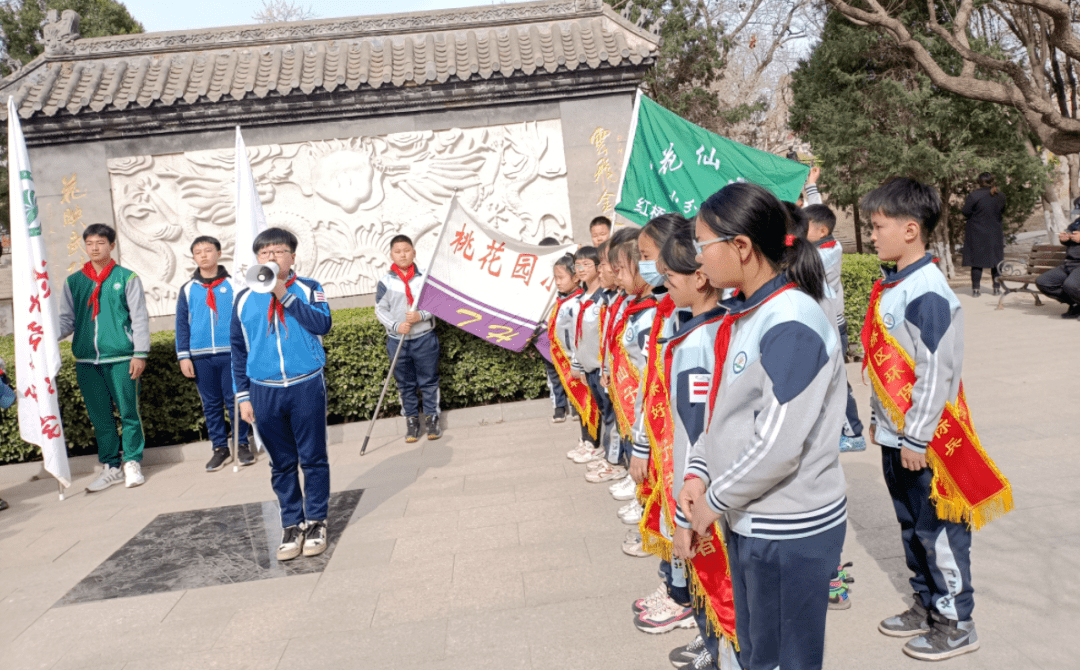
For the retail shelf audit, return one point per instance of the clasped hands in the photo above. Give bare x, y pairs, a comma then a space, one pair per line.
411, 317
700, 515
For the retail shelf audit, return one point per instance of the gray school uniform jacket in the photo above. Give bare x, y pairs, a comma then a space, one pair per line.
391, 303
832, 257
769, 455
566, 323
636, 341
587, 347
922, 313
692, 362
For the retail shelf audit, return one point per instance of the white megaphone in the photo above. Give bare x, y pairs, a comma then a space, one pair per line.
261, 278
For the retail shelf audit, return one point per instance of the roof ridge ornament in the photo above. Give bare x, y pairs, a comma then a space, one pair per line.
59, 32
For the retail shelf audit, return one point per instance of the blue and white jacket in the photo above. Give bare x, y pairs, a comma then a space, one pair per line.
635, 339
769, 456
199, 331
923, 314
278, 355
587, 347
566, 323
692, 363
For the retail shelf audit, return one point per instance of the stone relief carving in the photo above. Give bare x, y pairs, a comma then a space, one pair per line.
343, 27
343, 199
59, 32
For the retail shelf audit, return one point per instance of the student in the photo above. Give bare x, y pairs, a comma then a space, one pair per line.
203, 321
277, 366
768, 460
417, 368
585, 364
686, 361
556, 391
600, 230
562, 324
105, 308
819, 230
923, 315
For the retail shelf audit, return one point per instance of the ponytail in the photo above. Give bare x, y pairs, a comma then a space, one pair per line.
747, 209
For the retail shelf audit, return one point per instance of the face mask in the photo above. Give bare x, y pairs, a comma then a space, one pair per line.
647, 270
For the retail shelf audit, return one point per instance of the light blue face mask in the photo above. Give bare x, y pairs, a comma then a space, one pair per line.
647, 270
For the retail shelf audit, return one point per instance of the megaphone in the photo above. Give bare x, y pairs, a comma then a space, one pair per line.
261, 278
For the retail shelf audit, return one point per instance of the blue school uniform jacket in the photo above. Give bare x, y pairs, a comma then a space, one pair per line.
587, 347
279, 355
769, 455
566, 323
923, 314
199, 331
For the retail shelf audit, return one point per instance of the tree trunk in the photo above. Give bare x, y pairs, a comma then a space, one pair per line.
939, 241
1053, 217
858, 229
1073, 161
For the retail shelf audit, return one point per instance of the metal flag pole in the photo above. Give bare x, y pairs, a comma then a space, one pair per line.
412, 308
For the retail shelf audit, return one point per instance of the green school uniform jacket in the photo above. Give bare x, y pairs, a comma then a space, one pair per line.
121, 330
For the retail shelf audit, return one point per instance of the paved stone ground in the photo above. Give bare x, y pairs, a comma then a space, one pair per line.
487, 549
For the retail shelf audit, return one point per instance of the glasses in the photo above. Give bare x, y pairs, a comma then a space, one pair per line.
279, 253
700, 246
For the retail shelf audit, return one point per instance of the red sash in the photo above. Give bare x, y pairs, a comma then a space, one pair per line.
656, 408
967, 485
577, 390
605, 338
624, 376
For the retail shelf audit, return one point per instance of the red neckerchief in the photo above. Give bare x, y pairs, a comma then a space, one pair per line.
605, 339
210, 285
633, 308
560, 301
275, 305
828, 245
723, 340
405, 277
95, 296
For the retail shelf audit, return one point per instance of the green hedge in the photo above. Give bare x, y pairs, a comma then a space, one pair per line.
858, 274
473, 372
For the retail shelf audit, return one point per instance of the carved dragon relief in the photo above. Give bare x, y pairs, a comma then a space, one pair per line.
343, 199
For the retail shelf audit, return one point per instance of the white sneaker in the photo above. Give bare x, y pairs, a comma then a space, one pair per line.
619, 484
625, 509
589, 455
627, 490
651, 601
596, 465
634, 515
109, 476
133, 474
580, 449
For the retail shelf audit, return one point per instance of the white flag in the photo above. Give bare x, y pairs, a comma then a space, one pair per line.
36, 306
250, 219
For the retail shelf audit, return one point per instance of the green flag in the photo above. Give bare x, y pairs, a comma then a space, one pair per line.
673, 166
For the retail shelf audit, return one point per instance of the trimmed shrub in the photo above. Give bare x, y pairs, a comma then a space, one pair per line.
858, 274
473, 372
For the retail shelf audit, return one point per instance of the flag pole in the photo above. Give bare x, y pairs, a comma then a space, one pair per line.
412, 308
629, 147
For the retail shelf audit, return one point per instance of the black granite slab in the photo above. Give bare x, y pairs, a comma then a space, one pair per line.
206, 547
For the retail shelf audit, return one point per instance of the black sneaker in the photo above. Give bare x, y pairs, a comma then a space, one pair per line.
680, 656
218, 460
1072, 313
945, 640
914, 621
292, 542
3, 504
315, 538
559, 416
412, 429
244, 455
997, 289
434, 430
703, 661
975, 292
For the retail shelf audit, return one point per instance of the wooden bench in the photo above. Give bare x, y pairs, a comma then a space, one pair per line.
1022, 275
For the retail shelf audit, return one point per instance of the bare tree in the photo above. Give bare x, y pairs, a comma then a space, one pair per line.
281, 11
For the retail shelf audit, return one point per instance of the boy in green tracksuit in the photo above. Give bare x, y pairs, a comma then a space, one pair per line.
105, 308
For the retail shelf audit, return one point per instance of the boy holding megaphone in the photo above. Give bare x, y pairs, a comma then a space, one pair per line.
277, 366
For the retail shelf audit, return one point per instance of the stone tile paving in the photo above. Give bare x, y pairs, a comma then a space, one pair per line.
487, 549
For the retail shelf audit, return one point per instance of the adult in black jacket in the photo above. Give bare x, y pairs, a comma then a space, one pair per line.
1063, 282
984, 236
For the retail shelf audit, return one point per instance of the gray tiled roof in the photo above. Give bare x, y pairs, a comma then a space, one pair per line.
297, 59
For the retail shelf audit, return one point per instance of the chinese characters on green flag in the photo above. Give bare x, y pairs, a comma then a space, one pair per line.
673, 166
